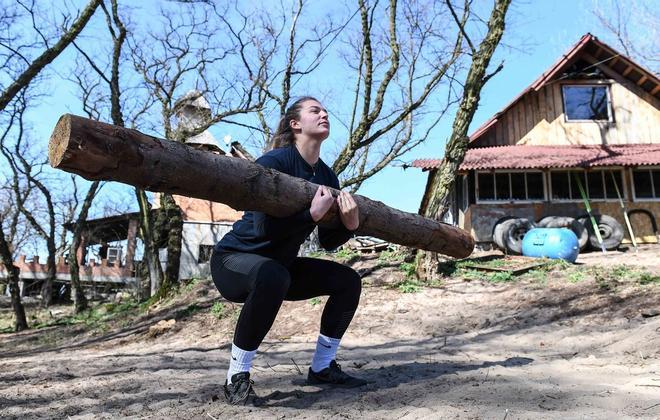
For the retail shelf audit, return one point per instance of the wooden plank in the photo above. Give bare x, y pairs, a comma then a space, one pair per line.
627, 71
655, 89
598, 51
520, 121
642, 80
560, 131
509, 127
543, 109
550, 103
612, 62
512, 264
529, 112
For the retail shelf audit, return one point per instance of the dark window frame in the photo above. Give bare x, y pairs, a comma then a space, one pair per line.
509, 199
655, 189
608, 93
604, 173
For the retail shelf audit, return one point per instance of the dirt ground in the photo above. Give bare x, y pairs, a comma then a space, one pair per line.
549, 345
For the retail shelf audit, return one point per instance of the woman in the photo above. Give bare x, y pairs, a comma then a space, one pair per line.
256, 263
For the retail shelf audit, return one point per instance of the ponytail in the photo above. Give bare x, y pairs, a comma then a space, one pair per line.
284, 135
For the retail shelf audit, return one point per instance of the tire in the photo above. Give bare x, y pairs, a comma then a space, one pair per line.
610, 230
517, 228
567, 222
498, 231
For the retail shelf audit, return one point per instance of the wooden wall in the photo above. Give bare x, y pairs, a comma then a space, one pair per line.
538, 119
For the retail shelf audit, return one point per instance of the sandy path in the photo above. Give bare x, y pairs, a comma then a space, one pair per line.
466, 350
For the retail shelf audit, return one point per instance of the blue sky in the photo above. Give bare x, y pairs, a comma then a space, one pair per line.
538, 33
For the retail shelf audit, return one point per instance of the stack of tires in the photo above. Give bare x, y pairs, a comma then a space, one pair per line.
509, 231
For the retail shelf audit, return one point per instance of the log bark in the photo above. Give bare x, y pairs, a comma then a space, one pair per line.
100, 151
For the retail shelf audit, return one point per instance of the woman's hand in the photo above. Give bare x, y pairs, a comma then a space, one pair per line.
348, 211
321, 203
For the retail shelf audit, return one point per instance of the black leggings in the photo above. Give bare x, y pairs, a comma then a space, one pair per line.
263, 284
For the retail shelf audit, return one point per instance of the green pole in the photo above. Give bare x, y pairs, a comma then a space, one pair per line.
591, 216
625, 212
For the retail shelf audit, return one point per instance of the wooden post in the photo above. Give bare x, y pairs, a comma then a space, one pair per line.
99, 151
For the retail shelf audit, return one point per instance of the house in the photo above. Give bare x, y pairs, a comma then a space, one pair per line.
593, 115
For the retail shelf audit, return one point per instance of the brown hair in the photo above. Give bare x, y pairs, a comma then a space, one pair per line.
284, 135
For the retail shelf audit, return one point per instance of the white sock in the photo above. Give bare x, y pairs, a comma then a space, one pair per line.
326, 349
241, 361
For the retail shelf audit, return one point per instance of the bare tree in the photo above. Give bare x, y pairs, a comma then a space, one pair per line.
13, 272
439, 191
633, 27
184, 54
14, 56
29, 169
9, 222
92, 104
399, 67
400, 56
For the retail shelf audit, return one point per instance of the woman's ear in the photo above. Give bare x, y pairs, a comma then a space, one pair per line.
294, 124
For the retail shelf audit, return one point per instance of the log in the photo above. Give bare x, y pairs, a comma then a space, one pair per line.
100, 151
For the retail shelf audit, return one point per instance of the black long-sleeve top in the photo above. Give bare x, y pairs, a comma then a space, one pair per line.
280, 238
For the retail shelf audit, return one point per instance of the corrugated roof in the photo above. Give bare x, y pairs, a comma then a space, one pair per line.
543, 157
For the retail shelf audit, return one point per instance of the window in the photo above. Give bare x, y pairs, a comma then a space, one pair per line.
510, 186
114, 254
587, 103
646, 183
205, 252
597, 185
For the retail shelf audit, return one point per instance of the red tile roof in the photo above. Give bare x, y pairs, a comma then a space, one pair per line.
542, 157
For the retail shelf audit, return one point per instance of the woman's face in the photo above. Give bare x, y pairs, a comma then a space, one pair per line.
313, 121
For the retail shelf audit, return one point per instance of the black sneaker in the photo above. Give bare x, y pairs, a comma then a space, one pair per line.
240, 392
334, 376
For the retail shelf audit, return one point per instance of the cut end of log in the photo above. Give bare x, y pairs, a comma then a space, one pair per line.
59, 140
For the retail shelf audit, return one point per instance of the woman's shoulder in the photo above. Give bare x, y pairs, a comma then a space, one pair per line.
278, 158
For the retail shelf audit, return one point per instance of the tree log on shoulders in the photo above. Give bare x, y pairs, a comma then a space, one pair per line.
99, 151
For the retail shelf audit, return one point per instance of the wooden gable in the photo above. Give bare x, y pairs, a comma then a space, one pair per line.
537, 116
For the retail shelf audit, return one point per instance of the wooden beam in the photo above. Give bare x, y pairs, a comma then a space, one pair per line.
642, 80
655, 89
598, 51
612, 62
628, 70
102, 151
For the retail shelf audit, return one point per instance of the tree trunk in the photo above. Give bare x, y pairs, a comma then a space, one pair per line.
12, 280
150, 248
102, 151
439, 191
169, 224
47, 286
77, 293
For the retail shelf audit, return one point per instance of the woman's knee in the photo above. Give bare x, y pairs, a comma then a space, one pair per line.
353, 282
273, 278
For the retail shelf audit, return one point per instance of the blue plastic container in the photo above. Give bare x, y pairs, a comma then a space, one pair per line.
551, 243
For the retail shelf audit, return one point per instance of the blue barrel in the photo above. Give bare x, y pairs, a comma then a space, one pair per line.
551, 243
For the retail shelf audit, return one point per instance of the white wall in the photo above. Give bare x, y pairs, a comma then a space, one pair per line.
195, 234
